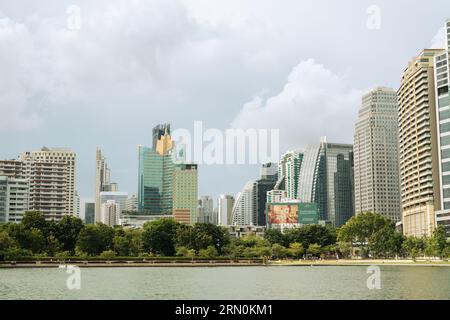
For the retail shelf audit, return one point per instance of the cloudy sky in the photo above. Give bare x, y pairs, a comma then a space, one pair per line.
300, 66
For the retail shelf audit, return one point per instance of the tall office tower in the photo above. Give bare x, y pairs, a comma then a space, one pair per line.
155, 177
51, 174
442, 81
225, 205
418, 146
185, 190
110, 213
377, 177
14, 194
102, 181
206, 210
245, 207
132, 203
337, 174
160, 131
288, 173
269, 176
89, 212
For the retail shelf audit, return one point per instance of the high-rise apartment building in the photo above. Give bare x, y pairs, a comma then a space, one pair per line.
225, 205
377, 177
14, 194
418, 146
185, 190
51, 177
110, 213
442, 82
119, 198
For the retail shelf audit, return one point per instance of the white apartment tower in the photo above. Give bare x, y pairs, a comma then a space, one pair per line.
376, 168
51, 176
225, 205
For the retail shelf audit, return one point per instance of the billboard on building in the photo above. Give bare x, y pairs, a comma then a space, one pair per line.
283, 213
294, 213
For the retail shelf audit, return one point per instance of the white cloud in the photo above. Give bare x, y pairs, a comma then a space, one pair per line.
314, 102
438, 41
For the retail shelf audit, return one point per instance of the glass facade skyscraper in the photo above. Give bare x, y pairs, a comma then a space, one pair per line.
155, 177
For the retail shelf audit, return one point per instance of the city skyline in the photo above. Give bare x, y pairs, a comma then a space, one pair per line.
163, 94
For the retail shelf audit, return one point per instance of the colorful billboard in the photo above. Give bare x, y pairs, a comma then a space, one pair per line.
292, 213
283, 213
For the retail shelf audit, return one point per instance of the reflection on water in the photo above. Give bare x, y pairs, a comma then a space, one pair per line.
230, 283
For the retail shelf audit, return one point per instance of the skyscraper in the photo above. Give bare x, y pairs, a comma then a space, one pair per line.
377, 177
155, 177
89, 212
245, 207
442, 81
266, 183
418, 146
102, 181
339, 179
289, 172
206, 210
225, 205
185, 186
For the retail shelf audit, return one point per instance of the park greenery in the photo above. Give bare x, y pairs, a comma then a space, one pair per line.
366, 235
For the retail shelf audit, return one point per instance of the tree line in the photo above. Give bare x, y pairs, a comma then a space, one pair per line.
365, 235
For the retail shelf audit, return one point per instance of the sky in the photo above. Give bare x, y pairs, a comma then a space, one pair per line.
88, 74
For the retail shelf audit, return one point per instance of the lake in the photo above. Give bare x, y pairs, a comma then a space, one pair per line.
226, 283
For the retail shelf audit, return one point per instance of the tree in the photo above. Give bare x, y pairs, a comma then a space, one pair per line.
53, 245
296, 250
345, 249
136, 244
34, 220
182, 251
413, 247
201, 236
67, 231
436, 245
359, 229
122, 246
314, 249
209, 253
386, 242
278, 251
309, 234
7, 244
94, 239
108, 255
158, 236
28, 238
275, 236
